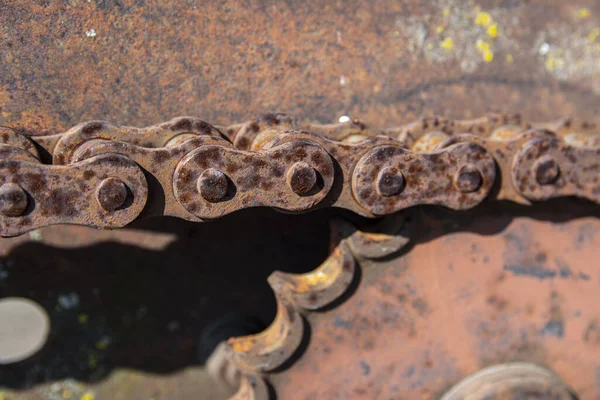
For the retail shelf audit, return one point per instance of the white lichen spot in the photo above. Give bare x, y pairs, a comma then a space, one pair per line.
342, 80
468, 65
91, 33
36, 236
344, 118
570, 52
103, 343
68, 301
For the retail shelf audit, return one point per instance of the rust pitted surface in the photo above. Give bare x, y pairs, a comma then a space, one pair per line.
196, 174
435, 178
139, 63
255, 179
346, 156
158, 163
547, 168
504, 152
9, 138
151, 137
74, 194
472, 293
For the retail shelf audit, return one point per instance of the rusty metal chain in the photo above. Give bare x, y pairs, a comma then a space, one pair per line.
106, 176
101, 175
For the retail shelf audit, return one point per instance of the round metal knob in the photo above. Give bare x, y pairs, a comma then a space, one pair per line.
302, 178
212, 185
390, 182
546, 170
111, 194
468, 178
13, 200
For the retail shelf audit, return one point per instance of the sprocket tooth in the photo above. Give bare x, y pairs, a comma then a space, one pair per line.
252, 387
384, 238
270, 348
321, 286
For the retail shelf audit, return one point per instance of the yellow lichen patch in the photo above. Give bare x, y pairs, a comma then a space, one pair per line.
583, 13
88, 396
83, 318
553, 63
482, 45
446, 13
92, 360
486, 50
429, 46
488, 56
447, 44
509, 58
67, 394
594, 35
439, 29
492, 30
483, 18
243, 346
3, 396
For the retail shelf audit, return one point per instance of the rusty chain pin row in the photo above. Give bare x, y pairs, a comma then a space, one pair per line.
195, 172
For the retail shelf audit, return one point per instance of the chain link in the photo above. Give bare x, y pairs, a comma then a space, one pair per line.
106, 176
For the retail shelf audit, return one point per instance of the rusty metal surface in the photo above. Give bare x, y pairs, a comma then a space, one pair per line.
435, 178
388, 62
473, 292
194, 173
140, 63
33, 195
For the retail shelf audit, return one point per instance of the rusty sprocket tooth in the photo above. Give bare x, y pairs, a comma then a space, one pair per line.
269, 349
